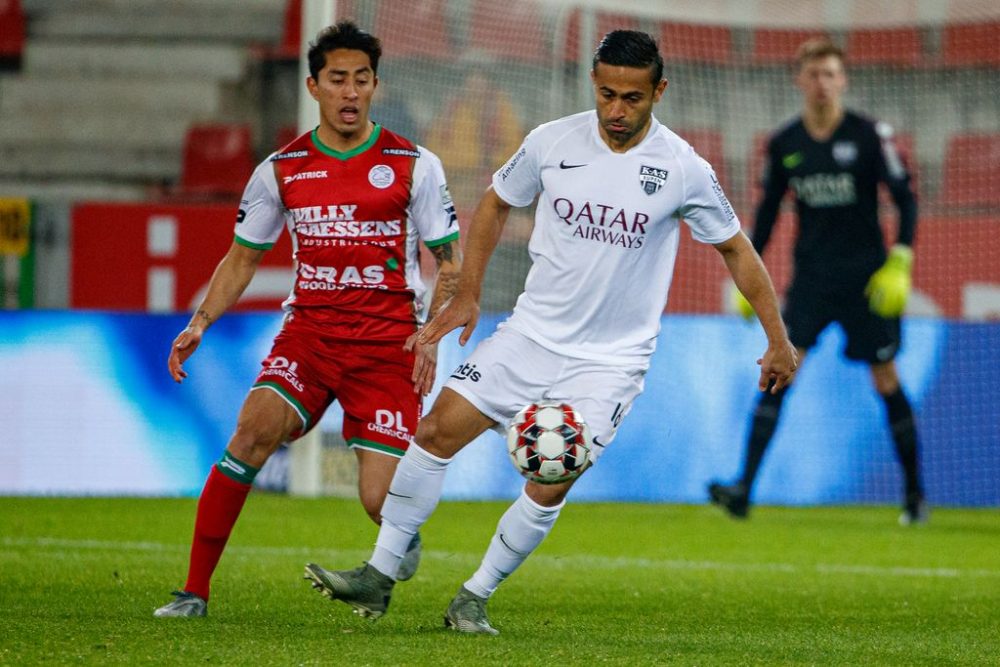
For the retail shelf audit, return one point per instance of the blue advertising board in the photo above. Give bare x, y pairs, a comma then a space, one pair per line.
88, 407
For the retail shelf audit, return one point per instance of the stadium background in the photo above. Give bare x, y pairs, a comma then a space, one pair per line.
127, 129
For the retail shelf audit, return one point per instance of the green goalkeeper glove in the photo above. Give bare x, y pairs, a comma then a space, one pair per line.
741, 305
889, 286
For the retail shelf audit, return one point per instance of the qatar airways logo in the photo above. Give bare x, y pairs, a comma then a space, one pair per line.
337, 221
603, 223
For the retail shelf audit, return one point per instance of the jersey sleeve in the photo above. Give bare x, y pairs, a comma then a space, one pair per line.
431, 209
893, 172
706, 210
775, 184
261, 217
519, 180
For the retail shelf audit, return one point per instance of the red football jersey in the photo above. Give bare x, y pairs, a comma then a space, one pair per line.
355, 219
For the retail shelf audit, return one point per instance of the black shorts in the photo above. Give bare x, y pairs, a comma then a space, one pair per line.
870, 338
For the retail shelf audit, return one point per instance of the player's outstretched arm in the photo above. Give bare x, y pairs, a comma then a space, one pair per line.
462, 310
778, 365
231, 277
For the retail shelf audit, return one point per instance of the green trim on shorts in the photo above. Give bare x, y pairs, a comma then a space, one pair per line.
303, 413
361, 443
250, 244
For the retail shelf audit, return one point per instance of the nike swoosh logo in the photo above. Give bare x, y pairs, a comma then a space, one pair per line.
598, 442
506, 544
792, 160
563, 165
399, 495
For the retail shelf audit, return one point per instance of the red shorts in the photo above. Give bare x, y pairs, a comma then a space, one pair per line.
372, 383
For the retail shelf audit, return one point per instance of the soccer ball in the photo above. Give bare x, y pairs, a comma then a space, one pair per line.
549, 442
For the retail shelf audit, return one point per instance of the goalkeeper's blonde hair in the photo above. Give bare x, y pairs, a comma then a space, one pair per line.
817, 47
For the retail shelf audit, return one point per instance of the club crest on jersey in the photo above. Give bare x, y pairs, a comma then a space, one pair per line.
381, 176
845, 152
652, 178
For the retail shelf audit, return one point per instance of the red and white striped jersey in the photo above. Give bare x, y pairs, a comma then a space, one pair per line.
355, 219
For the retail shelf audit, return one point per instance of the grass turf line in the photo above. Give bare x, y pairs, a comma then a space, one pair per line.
625, 584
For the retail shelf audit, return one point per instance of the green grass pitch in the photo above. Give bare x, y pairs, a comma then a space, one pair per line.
624, 584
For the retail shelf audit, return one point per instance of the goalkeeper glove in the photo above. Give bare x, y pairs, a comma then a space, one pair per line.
741, 305
889, 286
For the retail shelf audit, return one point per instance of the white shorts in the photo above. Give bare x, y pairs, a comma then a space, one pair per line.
508, 371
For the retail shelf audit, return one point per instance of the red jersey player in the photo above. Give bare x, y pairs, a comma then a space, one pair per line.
356, 199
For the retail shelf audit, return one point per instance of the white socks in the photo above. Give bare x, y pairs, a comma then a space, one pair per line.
521, 529
413, 495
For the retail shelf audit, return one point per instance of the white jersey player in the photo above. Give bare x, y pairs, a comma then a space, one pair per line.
613, 188
607, 227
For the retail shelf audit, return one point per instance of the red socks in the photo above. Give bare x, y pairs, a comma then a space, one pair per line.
218, 508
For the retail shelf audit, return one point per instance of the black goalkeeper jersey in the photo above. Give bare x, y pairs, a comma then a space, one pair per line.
835, 182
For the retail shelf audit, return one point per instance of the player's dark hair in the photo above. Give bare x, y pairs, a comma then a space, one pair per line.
817, 47
343, 35
630, 48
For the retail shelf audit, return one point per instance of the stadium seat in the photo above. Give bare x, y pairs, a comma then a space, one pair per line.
686, 42
12, 32
971, 44
971, 177
901, 47
778, 47
605, 23
708, 144
422, 33
218, 159
511, 30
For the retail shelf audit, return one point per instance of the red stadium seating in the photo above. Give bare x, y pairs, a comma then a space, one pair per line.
971, 175
423, 34
901, 47
511, 30
777, 47
218, 160
684, 42
708, 144
971, 44
605, 23
11, 31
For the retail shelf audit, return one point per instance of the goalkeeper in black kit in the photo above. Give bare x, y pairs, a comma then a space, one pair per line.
833, 160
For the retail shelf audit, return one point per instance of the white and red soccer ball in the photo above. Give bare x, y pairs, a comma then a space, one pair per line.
549, 442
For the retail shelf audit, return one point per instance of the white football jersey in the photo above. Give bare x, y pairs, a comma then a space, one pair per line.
607, 227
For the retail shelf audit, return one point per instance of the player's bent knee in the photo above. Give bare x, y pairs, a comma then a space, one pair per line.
264, 423
258, 436
548, 495
429, 437
254, 445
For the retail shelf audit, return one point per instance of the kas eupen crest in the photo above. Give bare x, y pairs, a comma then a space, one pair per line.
845, 152
652, 178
